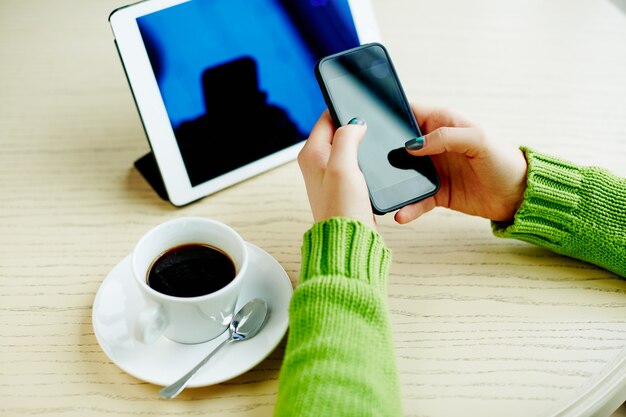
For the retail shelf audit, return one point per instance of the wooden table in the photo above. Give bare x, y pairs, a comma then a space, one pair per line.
482, 326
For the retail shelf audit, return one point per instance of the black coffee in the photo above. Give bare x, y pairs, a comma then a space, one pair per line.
191, 270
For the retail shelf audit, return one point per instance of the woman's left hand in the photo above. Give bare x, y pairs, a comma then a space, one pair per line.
334, 182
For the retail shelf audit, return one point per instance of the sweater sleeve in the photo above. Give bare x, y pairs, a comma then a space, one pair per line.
339, 359
572, 210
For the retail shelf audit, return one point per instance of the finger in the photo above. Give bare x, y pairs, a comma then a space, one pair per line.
468, 141
345, 147
411, 212
423, 112
431, 118
316, 149
322, 132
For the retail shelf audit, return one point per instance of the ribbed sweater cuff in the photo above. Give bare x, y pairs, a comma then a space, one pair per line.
547, 213
345, 247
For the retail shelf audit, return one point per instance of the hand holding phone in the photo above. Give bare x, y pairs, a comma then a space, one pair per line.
334, 183
362, 82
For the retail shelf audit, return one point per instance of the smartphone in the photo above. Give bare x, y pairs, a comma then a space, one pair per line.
362, 82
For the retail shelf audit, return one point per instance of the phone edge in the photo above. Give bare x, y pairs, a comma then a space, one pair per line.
329, 104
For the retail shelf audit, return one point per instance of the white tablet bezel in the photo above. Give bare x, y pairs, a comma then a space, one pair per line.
154, 115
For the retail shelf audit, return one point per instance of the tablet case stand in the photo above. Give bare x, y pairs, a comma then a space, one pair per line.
147, 166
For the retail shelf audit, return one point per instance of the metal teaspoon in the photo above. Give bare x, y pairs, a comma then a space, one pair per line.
244, 325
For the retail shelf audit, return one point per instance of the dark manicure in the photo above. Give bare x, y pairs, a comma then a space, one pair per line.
415, 144
357, 121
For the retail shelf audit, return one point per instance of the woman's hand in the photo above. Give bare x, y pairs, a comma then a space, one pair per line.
479, 176
334, 182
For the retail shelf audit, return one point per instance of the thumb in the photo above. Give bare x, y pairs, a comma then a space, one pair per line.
464, 140
345, 145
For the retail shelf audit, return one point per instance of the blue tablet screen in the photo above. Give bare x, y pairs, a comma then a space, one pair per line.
236, 76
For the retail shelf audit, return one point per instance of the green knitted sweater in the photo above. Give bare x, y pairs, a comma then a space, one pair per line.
572, 210
339, 359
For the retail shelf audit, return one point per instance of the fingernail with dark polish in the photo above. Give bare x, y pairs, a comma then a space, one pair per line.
357, 121
415, 144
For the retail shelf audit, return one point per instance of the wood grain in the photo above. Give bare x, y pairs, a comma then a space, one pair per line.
482, 326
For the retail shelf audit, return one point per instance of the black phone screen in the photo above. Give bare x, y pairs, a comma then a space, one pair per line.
362, 83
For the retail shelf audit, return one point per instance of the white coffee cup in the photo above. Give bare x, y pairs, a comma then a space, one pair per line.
187, 319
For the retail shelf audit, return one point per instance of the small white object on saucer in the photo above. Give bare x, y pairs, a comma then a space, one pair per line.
119, 300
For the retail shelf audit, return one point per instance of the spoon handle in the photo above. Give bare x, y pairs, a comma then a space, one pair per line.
175, 389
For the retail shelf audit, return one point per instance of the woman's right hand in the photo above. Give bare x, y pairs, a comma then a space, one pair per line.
479, 176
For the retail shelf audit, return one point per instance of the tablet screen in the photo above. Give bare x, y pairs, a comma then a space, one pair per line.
236, 76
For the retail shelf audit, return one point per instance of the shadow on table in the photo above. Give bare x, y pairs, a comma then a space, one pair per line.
620, 4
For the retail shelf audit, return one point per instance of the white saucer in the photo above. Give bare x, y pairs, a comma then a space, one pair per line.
119, 300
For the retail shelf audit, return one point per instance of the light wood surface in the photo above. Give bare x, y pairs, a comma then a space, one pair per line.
482, 326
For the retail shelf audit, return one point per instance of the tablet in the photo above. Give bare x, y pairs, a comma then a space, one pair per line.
225, 88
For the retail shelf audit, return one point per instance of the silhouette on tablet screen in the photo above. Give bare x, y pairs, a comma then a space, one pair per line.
239, 125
